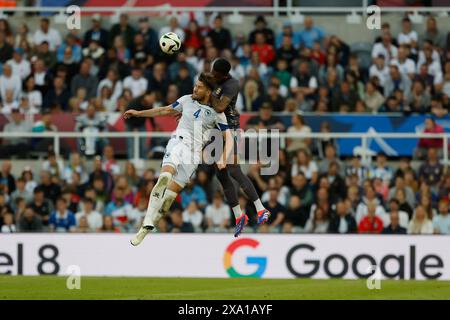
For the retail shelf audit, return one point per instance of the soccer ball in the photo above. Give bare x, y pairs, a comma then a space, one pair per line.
170, 43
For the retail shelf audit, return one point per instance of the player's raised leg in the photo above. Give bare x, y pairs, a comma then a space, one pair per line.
153, 215
232, 198
246, 185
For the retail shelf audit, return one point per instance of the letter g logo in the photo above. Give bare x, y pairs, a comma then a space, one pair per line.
261, 262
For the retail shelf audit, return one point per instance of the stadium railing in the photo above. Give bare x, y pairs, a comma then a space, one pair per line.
364, 151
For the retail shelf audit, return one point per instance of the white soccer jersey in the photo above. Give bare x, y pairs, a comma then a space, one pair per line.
183, 152
196, 121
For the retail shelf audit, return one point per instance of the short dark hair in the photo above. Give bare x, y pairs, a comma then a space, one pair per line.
207, 80
222, 66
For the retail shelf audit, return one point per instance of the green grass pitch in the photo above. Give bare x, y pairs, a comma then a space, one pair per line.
49, 287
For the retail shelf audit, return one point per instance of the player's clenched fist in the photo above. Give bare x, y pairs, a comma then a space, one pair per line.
130, 113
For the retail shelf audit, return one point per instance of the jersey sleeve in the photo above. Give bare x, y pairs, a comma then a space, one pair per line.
178, 105
230, 89
221, 121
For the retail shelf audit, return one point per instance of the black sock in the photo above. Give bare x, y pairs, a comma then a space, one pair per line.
243, 181
228, 187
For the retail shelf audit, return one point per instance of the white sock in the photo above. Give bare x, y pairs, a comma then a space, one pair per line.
167, 200
152, 217
237, 211
259, 206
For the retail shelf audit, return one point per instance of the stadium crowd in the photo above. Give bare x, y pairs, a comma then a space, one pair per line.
289, 70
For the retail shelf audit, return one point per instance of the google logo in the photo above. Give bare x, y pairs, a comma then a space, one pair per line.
261, 262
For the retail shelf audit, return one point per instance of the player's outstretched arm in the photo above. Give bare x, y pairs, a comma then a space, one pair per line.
220, 103
162, 111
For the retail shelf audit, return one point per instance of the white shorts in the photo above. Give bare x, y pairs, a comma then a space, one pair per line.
182, 159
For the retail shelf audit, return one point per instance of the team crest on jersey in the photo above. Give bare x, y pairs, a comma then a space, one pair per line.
208, 113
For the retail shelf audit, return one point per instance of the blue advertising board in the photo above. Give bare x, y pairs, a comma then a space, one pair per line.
374, 123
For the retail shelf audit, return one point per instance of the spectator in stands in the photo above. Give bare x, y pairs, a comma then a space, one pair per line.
96, 32
424, 144
84, 80
385, 48
431, 170
343, 222
369, 199
94, 218
10, 82
287, 31
51, 189
379, 71
419, 100
121, 211
266, 52
287, 52
8, 223
53, 165
296, 215
433, 33
304, 163
45, 33
300, 127
304, 81
158, 80
91, 122
220, 36
310, 33
405, 65
337, 186
191, 193
373, 98
400, 185
217, 215
123, 29
193, 216
19, 192
330, 64
193, 36
420, 224
329, 157
408, 36
319, 223
381, 169
177, 223
30, 222
441, 222
394, 227
396, 81
136, 82
70, 42
252, 100
6, 178
276, 219
108, 225
62, 220
20, 66
344, 99
6, 49
107, 182
261, 27
371, 223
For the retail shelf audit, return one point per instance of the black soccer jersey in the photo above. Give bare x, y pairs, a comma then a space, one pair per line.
230, 88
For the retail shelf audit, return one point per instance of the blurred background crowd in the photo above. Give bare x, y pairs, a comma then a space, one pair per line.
289, 70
